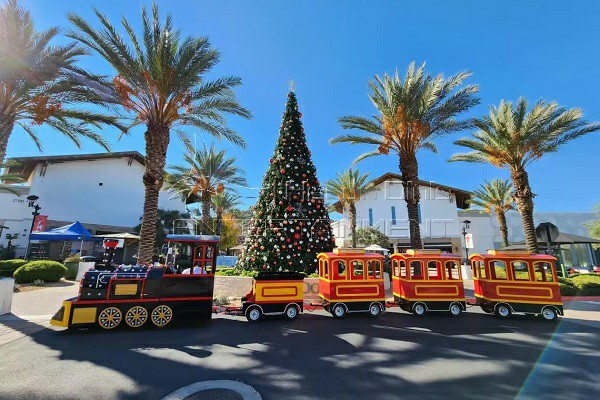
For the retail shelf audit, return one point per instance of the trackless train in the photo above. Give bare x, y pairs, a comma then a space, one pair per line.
350, 281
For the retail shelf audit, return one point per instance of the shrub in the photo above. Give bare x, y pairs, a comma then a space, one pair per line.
587, 285
8, 267
580, 285
567, 287
47, 271
73, 258
236, 272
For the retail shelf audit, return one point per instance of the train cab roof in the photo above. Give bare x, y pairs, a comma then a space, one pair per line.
425, 253
192, 238
354, 253
513, 254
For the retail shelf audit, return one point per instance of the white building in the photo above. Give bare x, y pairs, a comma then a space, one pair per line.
486, 232
442, 212
102, 191
385, 209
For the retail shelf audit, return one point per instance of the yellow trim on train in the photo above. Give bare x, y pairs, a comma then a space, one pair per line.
421, 299
436, 294
351, 300
519, 302
64, 322
126, 289
84, 315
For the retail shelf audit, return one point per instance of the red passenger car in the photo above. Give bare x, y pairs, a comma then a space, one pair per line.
428, 280
351, 280
508, 282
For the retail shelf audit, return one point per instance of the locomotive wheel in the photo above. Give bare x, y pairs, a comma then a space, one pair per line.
502, 311
136, 316
455, 309
291, 312
549, 314
419, 309
161, 315
253, 314
338, 311
374, 310
110, 318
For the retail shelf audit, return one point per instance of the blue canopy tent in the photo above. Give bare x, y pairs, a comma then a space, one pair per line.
72, 232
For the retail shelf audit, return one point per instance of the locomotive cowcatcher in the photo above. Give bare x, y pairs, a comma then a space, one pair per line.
350, 281
511, 281
428, 280
132, 296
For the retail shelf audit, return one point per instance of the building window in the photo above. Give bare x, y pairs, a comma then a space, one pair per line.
393, 215
419, 213
370, 217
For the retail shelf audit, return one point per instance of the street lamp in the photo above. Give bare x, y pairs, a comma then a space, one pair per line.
32, 202
467, 225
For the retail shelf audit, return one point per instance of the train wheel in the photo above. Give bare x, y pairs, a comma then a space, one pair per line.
502, 311
375, 310
338, 311
161, 315
549, 314
253, 314
110, 318
291, 312
136, 316
419, 309
455, 309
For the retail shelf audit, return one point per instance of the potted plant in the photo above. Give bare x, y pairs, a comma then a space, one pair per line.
72, 264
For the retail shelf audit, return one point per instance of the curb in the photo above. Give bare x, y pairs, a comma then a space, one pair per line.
246, 391
581, 298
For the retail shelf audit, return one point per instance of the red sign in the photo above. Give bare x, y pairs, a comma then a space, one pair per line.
39, 225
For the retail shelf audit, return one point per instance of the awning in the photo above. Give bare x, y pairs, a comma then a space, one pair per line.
73, 232
563, 238
122, 235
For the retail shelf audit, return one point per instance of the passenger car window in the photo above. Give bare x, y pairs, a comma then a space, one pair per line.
357, 269
339, 269
374, 268
452, 270
416, 270
520, 270
434, 270
396, 268
482, 271
403, 269
498, 269
544, 272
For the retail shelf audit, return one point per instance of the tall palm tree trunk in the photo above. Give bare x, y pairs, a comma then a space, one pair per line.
503, 226
205, 205
219, 222
352, 217
409, 168
524, 200
6, 126
157, 141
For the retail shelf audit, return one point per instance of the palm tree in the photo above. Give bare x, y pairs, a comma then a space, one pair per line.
39, 83
511, 137
412, 113
208, 172
161, 83
495, 195
221, 203
349, 186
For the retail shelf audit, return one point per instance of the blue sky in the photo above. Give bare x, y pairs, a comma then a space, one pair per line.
536, 49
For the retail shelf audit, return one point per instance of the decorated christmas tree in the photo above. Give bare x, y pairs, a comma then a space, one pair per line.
290, 224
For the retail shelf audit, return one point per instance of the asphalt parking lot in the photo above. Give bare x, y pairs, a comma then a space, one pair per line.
397, 356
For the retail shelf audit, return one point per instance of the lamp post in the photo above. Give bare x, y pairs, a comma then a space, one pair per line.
467, 225
32, 202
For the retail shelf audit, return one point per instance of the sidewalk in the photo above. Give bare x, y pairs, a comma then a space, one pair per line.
31, 311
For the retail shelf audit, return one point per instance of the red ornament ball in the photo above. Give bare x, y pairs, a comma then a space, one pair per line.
289, 208
299, 115
282, 171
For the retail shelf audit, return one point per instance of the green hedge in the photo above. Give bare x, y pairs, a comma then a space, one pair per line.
236, 272
580, 285
47, 271
8, 267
